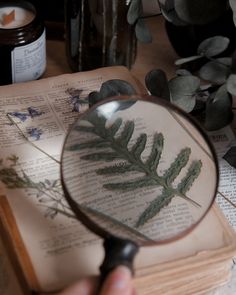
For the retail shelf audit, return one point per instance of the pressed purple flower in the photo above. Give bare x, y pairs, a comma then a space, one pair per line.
34, 133
21, 116
34, 113
75, 98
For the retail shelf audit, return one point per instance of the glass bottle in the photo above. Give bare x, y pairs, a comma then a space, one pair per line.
97, 34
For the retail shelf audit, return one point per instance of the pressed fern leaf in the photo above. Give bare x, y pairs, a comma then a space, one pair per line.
193, 172
102, 156
118, 169
115, 139
99, 143
126, 134
155, 155
115, 127
139, 146
175, 167
155, 206
131, 185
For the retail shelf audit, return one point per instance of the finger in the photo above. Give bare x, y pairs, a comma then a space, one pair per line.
118, 282
83, 287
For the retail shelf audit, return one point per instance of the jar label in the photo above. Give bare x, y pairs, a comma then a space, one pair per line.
29, 61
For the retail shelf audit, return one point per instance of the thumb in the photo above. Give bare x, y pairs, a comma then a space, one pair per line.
119, 281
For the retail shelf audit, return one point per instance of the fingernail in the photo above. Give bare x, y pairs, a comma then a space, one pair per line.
83, 287
120, 278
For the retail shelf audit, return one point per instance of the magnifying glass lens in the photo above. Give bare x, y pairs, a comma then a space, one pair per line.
139, 170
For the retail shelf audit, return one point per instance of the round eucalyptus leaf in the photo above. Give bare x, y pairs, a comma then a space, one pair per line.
142, 32
172, 17
183, 72
199, 12
157, 83
232, 4
205, 87
227, 61
219, 110
231, 84
116, 87
213, 46
94, 97
215, 71
135, 11
187, 59
167, 8
183, 91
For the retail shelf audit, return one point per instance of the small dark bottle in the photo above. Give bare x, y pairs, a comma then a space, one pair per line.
22, 43
98, 34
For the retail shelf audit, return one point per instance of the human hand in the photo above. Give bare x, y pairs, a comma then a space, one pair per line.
118, 282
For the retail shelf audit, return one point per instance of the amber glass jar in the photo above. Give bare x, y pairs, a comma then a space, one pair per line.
22, 43
98, 34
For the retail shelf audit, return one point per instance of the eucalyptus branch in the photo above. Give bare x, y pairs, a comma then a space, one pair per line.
217, 61
210, 89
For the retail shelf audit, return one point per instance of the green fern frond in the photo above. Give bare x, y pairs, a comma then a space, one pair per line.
155, 207
97, 119
133, 162
97, 143
87, 129
118, 169
115, 127
155, 155
126, 134
131, 185
192, 174
139, 146
181, 161
103, 156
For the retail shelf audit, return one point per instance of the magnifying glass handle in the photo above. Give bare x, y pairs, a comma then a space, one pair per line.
117, 252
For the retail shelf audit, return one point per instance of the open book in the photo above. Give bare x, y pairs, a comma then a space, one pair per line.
52, 248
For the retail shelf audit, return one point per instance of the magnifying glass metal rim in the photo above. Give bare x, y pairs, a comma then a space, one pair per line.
90, 224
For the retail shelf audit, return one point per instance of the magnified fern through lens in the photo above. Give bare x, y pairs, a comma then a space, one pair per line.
139, 170
133, 162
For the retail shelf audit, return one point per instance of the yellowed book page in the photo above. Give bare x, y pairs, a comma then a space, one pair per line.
212, 239
126, 206
49, 106
222, 140
59, 247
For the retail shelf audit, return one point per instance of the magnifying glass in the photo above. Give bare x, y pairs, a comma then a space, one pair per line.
137, 171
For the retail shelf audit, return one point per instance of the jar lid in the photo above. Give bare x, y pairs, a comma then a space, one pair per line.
16, 15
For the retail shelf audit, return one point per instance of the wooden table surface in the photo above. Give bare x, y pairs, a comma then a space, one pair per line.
158, 54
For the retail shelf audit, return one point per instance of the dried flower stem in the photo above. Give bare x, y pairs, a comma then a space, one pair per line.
30, 142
